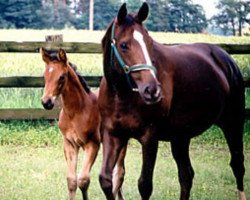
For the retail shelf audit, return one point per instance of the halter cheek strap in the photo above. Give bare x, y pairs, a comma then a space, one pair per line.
127, 69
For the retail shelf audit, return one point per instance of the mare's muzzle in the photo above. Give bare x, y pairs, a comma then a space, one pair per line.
151, 93
47, 103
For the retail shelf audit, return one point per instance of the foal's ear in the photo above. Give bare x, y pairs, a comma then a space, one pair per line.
122, 13
62, 55
45, 55
143, 12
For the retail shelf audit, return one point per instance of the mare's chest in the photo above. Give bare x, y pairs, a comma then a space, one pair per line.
130, 118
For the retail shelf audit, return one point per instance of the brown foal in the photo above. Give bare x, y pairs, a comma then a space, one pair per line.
79, 118
79, 121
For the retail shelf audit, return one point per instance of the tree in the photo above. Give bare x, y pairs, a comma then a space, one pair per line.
158, 17
232, 16
35, 14
186, 17
104, 12
20, 13
165, 15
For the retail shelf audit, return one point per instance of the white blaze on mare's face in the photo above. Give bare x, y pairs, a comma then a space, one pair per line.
139, 38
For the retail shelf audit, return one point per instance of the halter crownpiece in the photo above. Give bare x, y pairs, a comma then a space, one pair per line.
127, 69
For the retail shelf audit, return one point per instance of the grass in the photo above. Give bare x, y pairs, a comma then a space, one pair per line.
71, 35
32, 166
35, 168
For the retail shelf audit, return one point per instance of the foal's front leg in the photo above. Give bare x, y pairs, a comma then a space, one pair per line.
71, 154
149, 153
90, 153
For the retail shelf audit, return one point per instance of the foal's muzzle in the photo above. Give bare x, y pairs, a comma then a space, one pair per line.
151, 94
47, 103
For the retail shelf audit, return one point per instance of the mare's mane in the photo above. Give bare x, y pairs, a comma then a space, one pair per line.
111, 74
129, 21
53, 57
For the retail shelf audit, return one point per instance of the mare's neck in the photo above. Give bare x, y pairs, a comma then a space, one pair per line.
74, 96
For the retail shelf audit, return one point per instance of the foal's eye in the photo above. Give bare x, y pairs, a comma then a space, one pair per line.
124, 46
61, 78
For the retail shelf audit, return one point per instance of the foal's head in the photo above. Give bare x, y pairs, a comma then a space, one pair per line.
55, 76
130, 53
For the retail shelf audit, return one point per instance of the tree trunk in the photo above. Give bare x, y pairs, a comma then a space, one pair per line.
240, 26
91, 15
234, 29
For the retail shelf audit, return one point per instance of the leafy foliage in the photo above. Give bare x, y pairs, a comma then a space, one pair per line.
232, 16
165, 15
185, 17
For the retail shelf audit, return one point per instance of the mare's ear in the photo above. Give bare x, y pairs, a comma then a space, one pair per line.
122, 13
45, 55
61, 55
143, 12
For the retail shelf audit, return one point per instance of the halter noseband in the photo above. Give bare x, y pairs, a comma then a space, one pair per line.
127, 69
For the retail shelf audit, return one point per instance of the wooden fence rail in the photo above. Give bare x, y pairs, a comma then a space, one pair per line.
77, 47
93, 81
38, 82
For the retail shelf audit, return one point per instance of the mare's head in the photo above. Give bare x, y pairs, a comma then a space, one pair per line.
55, 76
127, 50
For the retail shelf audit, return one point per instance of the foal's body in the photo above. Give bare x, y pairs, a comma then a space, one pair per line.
200, 86
79, 118
79, 125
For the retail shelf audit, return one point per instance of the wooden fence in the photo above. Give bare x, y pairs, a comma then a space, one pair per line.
93, 81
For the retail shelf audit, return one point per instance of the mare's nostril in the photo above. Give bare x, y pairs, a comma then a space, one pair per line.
147, 92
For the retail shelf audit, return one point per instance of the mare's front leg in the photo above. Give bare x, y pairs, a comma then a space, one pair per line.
180, 151
112, 147
118, 174
149, 153
71, 154
90, 153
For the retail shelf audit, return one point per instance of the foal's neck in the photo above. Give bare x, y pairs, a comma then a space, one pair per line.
74, 96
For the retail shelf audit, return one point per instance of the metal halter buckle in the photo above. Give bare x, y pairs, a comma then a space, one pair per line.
126, 69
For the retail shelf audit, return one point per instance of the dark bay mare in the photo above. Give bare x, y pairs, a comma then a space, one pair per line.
153, 93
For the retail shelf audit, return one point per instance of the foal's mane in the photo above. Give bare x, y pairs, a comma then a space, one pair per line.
80, 78
53, 57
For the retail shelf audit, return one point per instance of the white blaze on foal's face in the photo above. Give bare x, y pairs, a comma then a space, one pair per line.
51, 69
139, 38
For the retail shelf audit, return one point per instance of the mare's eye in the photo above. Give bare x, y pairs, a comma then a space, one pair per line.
124, 46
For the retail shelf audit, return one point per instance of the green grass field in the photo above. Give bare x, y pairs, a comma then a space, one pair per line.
32, 165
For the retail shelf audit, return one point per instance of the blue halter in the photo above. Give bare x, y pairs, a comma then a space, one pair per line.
127, 69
